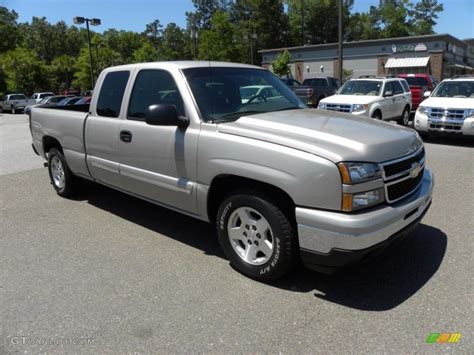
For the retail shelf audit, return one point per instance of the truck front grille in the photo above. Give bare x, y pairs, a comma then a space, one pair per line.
338, 107
403, 176
404, 165
403, 188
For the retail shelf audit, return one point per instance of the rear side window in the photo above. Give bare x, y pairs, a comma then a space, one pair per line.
405, 85
111, 93
153, 87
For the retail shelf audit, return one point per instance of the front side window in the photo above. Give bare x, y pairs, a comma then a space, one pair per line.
153, 87
361, 87
388, 87
225, 94
460, 89
397, 88
111, 93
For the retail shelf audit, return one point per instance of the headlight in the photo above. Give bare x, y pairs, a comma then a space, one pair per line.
354, 173
359, 108
322, 105
423, 110
353, 202
470, 113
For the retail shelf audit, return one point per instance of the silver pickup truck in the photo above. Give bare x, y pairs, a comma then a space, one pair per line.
280, 181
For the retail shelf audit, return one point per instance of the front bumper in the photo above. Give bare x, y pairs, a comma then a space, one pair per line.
330, 240
423, 123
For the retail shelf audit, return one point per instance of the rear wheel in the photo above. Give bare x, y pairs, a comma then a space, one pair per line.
256, 235
377, 115
405, 117
61, 177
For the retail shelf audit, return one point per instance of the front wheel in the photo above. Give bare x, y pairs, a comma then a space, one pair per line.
256, 236
61, 177
377, 115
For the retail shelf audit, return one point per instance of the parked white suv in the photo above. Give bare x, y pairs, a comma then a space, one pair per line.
449, 109
38, 96
377, 97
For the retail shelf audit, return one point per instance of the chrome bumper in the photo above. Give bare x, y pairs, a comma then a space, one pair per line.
322, 231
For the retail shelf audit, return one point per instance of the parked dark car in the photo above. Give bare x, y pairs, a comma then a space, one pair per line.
315, 89
84, 100
291, 83
419, 84
69, 101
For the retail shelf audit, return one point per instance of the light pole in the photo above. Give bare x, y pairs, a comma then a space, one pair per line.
252, 37
339, 45
94, 22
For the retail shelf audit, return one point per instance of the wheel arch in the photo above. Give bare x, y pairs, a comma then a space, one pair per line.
51, 142
224, 184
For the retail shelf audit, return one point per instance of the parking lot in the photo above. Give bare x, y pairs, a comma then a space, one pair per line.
107, 272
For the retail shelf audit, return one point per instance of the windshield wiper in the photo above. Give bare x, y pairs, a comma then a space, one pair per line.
234, 116
289, 108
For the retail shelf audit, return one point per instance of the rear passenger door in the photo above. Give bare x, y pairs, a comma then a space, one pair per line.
158, 162
102, 129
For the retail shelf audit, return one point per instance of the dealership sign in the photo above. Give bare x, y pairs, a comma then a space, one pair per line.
420, 47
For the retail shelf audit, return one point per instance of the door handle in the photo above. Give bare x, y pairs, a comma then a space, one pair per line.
126, 136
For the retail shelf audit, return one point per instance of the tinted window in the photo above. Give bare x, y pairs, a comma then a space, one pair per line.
17, 97
397, 88
153, 87
414, 81
111, 93
221, 93
361, 87
405, 85
334, 83
388, 87
318, 83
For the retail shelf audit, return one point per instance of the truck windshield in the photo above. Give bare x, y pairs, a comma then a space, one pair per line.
225, 94
416, 81
460, 89
361, 87
17, 97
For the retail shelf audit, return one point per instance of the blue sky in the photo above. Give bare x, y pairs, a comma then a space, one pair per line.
457, 18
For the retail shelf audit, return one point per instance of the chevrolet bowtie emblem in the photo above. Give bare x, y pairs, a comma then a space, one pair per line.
415, 170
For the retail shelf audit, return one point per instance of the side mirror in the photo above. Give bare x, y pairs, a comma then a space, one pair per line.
388, 93
164, 115
426, 94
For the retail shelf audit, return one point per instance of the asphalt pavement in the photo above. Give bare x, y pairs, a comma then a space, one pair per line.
109, 273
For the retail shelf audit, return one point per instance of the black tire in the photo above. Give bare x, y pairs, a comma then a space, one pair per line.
282, 234
377, 115
13, 110
67, 188
405, 117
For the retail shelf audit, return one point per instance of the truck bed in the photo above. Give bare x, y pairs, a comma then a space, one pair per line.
66, 125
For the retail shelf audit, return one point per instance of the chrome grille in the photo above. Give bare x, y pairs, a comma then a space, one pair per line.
449, 114
403, 176
338, 107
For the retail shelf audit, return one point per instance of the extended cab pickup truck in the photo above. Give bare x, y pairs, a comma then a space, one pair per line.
281, 182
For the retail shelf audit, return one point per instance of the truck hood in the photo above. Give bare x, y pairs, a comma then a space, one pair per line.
449, 102
350, 99
328, 134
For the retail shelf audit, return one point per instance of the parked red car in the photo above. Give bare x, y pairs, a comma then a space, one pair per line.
419, 83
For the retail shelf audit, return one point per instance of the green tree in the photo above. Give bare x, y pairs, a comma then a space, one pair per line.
281, 64
424, 15
217, 43
9, 31
23, 71
61, 72
146, 53
174, 44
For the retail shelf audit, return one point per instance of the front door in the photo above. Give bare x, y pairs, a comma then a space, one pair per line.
158, 162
